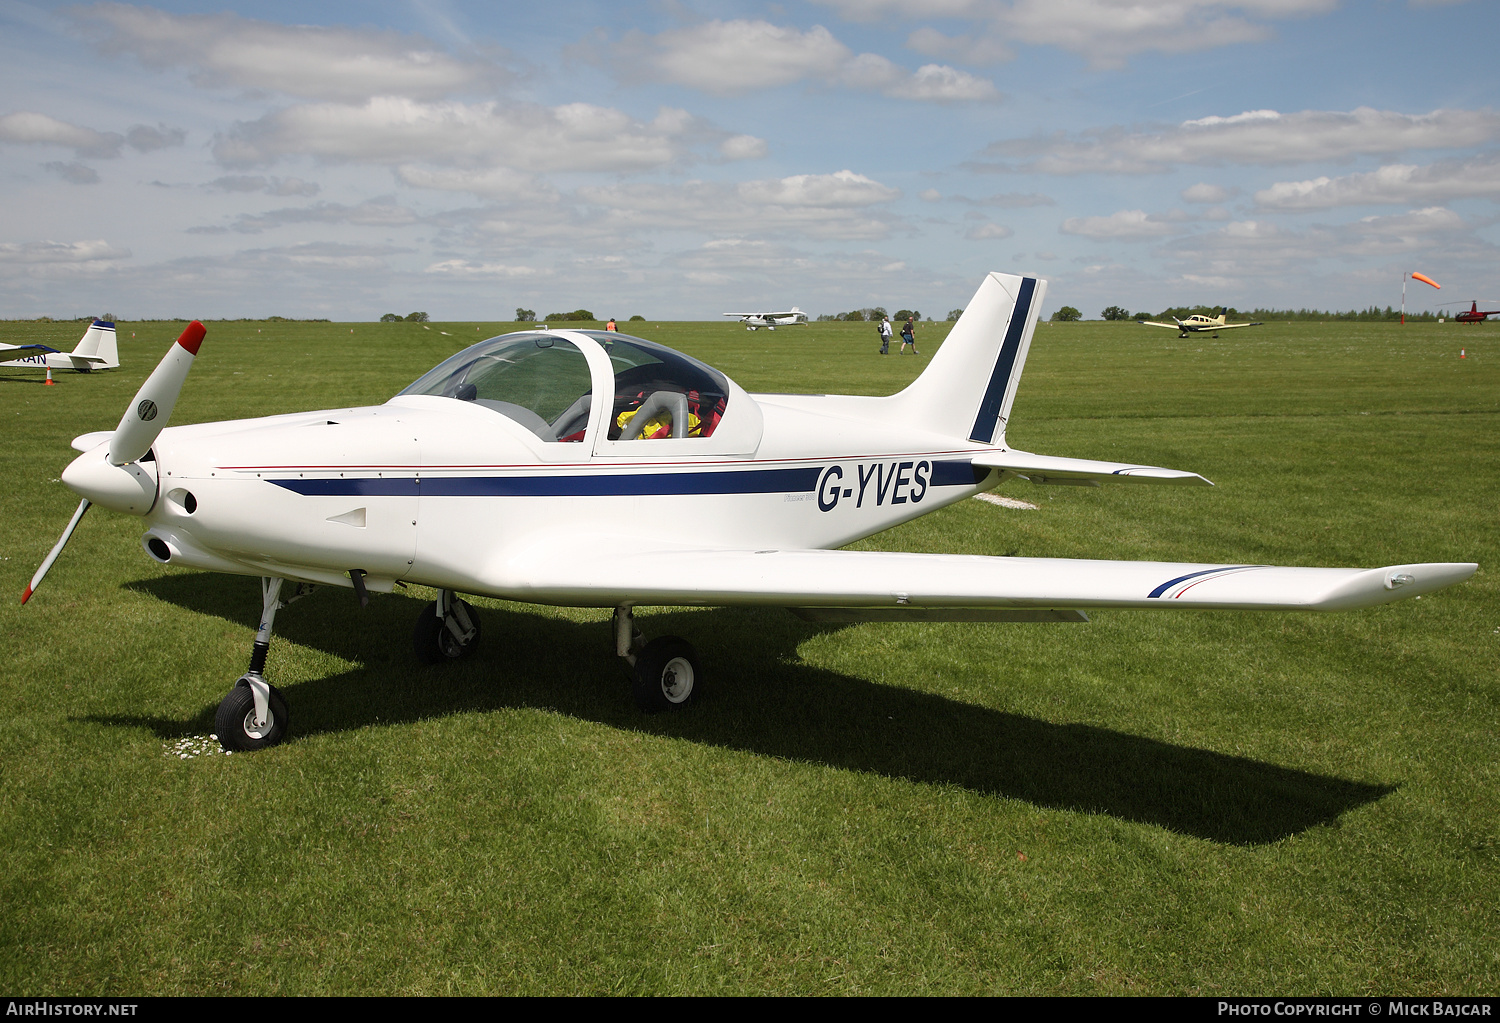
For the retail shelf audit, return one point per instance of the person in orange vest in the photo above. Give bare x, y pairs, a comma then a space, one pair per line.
611, 325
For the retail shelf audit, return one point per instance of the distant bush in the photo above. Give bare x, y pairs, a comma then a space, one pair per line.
1115, 312
525, 315
390, 318
954, 314
907, 314
637, 319
416, 317
1067, 314
575, 316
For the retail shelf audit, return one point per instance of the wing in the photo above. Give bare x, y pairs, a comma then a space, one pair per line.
27, 348
1231, 326
1153, 323
1083, 471
596, 576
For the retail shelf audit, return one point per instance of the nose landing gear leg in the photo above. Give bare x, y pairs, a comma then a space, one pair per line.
254, 714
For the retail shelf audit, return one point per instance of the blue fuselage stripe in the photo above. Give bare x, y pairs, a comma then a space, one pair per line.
659, 484
994, 395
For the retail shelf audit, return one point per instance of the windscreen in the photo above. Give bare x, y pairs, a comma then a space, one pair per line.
540, 381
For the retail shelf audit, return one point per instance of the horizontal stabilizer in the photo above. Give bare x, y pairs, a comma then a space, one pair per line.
1084, 471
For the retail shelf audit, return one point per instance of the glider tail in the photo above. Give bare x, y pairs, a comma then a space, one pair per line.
969, 386
98, 346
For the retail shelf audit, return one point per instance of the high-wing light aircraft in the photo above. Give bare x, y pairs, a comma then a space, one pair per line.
754, 321
95, 350
1198, 322
595, 469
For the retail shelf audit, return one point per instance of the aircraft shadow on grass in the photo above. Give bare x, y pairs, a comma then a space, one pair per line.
760, 699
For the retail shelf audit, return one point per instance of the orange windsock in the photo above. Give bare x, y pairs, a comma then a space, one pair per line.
1424, 279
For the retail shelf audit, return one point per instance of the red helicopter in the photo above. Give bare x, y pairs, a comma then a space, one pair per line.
1474, 314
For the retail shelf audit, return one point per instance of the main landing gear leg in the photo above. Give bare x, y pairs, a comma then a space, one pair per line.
665, 671
447, 630
254, 714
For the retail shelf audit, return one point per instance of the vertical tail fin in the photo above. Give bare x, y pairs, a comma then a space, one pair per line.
968, 388
98, 346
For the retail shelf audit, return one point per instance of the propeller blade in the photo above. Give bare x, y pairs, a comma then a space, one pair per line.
36, 580
152, 407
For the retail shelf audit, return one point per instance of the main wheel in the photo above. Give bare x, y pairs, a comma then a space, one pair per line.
666, 674
235, 720
434, 642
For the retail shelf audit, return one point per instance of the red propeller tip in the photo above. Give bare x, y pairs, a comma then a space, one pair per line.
26, 596
192, 337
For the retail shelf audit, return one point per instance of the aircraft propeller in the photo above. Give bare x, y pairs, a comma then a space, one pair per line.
109, 475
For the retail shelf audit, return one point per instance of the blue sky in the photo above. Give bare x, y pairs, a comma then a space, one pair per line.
681, 159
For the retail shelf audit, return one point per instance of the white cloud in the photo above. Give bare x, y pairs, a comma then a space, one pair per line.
729, 58
1204, 192
471, 268
73, 173
844, 189
1126, 225
489, 183
816, 205
311, 61
988, 232
382, 211
1106, 32
743, 147
1257, 137
1259, 248
1477, 177
394, 130
256, 183
28, 127
94, 251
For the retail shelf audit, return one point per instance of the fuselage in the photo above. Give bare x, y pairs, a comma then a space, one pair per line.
446, 491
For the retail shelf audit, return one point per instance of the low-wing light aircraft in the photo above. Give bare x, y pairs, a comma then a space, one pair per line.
594, 469
95, 350
1197, 323
754, 321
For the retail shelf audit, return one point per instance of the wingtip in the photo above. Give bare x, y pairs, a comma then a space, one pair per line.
27, 595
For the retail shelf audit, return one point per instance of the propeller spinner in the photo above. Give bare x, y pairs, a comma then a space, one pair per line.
111, 474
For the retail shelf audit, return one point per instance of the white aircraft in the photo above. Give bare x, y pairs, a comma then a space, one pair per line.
593, 469
754, 321
1198, 322
95, 350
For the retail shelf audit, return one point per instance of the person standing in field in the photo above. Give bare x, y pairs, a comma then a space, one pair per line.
611, 325
885, 335
909, 337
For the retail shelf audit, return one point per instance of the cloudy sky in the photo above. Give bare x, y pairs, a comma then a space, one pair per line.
678, 159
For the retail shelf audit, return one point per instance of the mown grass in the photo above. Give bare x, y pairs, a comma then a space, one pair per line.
1192, 803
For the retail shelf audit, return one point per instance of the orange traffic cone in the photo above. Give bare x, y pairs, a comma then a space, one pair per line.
49, 377
1461, 354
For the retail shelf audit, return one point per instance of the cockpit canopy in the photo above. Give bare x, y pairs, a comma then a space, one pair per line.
544, 382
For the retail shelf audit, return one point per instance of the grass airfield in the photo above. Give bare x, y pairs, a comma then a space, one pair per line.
1194, 803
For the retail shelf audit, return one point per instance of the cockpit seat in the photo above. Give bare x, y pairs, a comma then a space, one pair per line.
673, 403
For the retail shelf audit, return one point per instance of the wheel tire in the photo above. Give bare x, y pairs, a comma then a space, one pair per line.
235, 720
666, 675
434, 643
